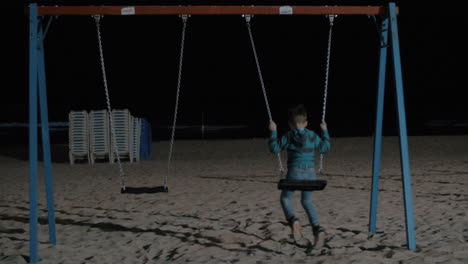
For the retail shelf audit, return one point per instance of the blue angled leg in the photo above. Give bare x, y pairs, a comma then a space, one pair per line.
408, 196
45, 139
378, 126
33, 56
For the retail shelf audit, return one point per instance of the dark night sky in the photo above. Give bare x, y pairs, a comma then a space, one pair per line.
220, 77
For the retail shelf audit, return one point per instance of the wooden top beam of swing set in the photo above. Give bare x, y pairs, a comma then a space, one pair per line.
211, 10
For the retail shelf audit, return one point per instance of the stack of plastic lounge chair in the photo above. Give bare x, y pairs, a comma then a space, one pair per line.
99, 135
122, 131
78, 136
136, 135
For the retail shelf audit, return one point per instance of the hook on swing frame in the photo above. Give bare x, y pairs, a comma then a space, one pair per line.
184, 17
97, 17
331, 18
247, 17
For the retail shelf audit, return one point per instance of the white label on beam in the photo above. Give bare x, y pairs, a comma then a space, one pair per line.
127, 11
286, 10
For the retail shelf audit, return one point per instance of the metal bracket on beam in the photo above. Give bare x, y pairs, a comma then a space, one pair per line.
97, 17
331, 18
184, 17
247, 18
379, 31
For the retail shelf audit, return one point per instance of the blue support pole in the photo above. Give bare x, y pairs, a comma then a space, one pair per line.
33, 45
405, 168
45, 138
378, 126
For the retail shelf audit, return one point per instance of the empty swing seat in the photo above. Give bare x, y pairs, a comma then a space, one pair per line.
301, 185
140, 190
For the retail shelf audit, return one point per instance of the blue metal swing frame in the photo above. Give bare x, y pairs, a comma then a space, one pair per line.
38, 92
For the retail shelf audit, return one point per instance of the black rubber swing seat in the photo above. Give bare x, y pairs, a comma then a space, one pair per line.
301, 185
140, 190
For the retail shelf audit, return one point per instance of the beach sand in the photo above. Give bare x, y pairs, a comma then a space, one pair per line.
223, 206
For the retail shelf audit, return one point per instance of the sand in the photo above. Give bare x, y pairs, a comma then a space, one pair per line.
223, 206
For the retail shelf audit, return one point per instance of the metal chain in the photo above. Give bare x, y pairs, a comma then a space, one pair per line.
247, 19
97, 18
327, 72
179, 78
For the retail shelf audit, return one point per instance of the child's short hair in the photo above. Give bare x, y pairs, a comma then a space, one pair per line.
297, 114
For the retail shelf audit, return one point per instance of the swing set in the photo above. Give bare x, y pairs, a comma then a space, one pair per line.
38, 27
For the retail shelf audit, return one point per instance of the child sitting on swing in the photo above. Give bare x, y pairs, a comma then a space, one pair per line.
300, 144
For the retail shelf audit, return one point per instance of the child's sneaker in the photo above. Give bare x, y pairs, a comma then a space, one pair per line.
319, 234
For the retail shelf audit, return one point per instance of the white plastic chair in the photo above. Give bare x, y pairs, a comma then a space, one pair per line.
78, 137
99, 135
122, 134
136, 135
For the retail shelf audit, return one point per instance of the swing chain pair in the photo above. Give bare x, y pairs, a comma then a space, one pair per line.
97, 18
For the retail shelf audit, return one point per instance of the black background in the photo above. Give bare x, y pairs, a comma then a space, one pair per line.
220, 81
